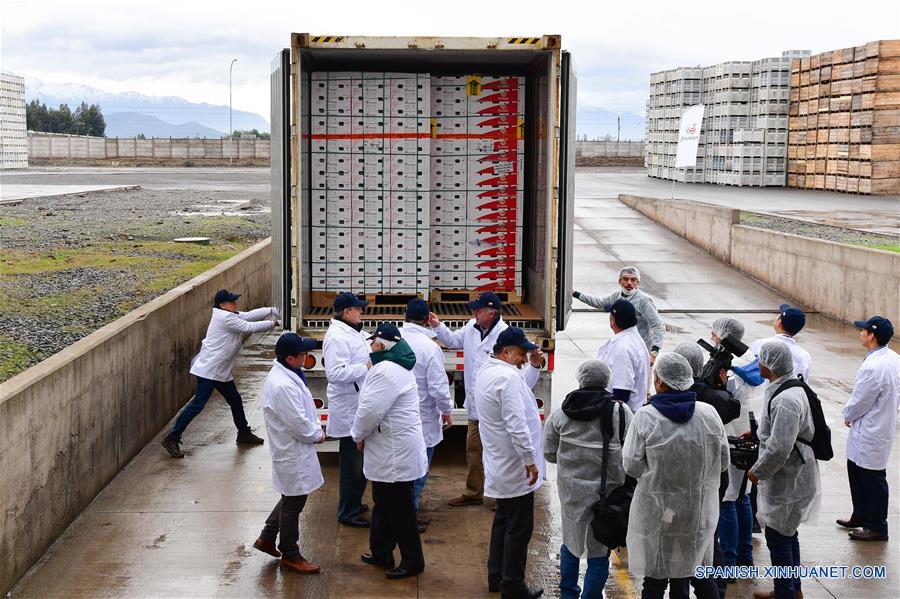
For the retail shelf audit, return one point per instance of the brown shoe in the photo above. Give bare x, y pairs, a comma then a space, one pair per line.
868, 535
266, 547
464, 500
300, 566
771, 594
423, 520
849, 523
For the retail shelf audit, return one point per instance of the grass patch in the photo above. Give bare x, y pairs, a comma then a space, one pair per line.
888, 247
14, 357
11, 221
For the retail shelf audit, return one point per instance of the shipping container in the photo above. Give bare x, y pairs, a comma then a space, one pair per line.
424, 167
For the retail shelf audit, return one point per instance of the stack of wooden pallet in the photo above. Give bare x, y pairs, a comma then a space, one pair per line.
844, 124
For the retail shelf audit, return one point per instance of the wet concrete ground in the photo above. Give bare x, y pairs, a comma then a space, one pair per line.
183, 528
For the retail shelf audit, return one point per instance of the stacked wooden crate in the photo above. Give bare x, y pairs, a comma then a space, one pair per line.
844, 123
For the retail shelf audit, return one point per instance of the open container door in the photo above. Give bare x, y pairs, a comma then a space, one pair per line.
281, 185
565, 211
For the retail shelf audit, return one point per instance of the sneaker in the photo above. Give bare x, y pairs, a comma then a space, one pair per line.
173, 446
248, 438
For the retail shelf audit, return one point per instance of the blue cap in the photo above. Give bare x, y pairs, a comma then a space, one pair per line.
488, 299
792, 319
879, 326
417, 309
515, 336
346, 300
291, 344
386, 331
223, 295
624, 314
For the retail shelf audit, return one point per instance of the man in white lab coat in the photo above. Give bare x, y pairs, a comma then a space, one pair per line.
627, 356
387, 428
477, 340
514, 468
213, 364
293, 427
435, 406
345, 354
871, 415
788, 324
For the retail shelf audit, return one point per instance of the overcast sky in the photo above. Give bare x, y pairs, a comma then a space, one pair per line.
184, 48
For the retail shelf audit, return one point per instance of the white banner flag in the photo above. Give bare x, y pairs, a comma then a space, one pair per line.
689, 136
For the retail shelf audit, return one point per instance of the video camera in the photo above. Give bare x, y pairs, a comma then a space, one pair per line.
720, 357
745, 450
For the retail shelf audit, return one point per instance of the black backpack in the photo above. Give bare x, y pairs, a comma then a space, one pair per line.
821, 441
610, 521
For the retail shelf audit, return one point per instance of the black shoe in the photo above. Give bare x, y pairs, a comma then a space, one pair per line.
368, 558
527, 593
868, 535
173, 446
398, 573
248, 438
355, 522
851, 523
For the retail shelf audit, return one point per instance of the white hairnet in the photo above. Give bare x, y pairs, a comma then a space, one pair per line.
777, 357
693, 354
675, 371
728, 327
630, 270
593, 373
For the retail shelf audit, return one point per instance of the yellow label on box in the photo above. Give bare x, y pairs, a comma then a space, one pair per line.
473, 85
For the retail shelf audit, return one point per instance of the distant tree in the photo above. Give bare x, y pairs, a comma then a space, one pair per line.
87, 120
140, 136
254, 133
37, 116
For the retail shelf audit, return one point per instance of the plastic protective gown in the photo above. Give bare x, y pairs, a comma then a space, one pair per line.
576, 446
675, 508
790, 491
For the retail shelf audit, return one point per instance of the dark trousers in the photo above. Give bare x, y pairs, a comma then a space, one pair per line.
784, 551
679, 588
204, 390
510, 534
869, 493
394, 524
352, 479
284, 523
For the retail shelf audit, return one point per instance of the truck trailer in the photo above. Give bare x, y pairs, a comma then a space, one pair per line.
431, 167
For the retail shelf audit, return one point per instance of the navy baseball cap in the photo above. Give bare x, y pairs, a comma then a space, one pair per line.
624, 314
291, 344
515, 336
488, 299
792, 319
386, 331
880, 326
346, 300
223, 295
417, 309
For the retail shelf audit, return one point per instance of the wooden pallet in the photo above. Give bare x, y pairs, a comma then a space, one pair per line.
468, 295
325, 299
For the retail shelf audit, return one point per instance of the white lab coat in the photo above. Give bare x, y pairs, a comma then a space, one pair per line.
628, 359
431, 380
510, 428
475, 352
675, 508
872, 410
649, 324
223, 340
389, 423
790, 490
345, 353
293, 428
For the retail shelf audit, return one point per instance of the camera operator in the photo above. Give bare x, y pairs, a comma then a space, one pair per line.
786, 471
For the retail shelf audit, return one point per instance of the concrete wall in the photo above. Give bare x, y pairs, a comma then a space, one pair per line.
81, 147
847, 282
69, 424
704, 225
609, 149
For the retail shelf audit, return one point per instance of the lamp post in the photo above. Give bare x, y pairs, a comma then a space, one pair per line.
234, 60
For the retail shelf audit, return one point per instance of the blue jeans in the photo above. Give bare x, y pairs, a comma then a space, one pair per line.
351, 478
736, 532
594, 578
419, 483
204, 390
784, 551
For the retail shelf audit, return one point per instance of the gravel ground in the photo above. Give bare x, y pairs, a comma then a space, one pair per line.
73, 264
826, 232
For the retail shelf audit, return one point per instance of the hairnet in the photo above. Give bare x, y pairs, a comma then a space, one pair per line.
728, 327
777, 357
630, 270
593, 373
693, 354
675, 371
